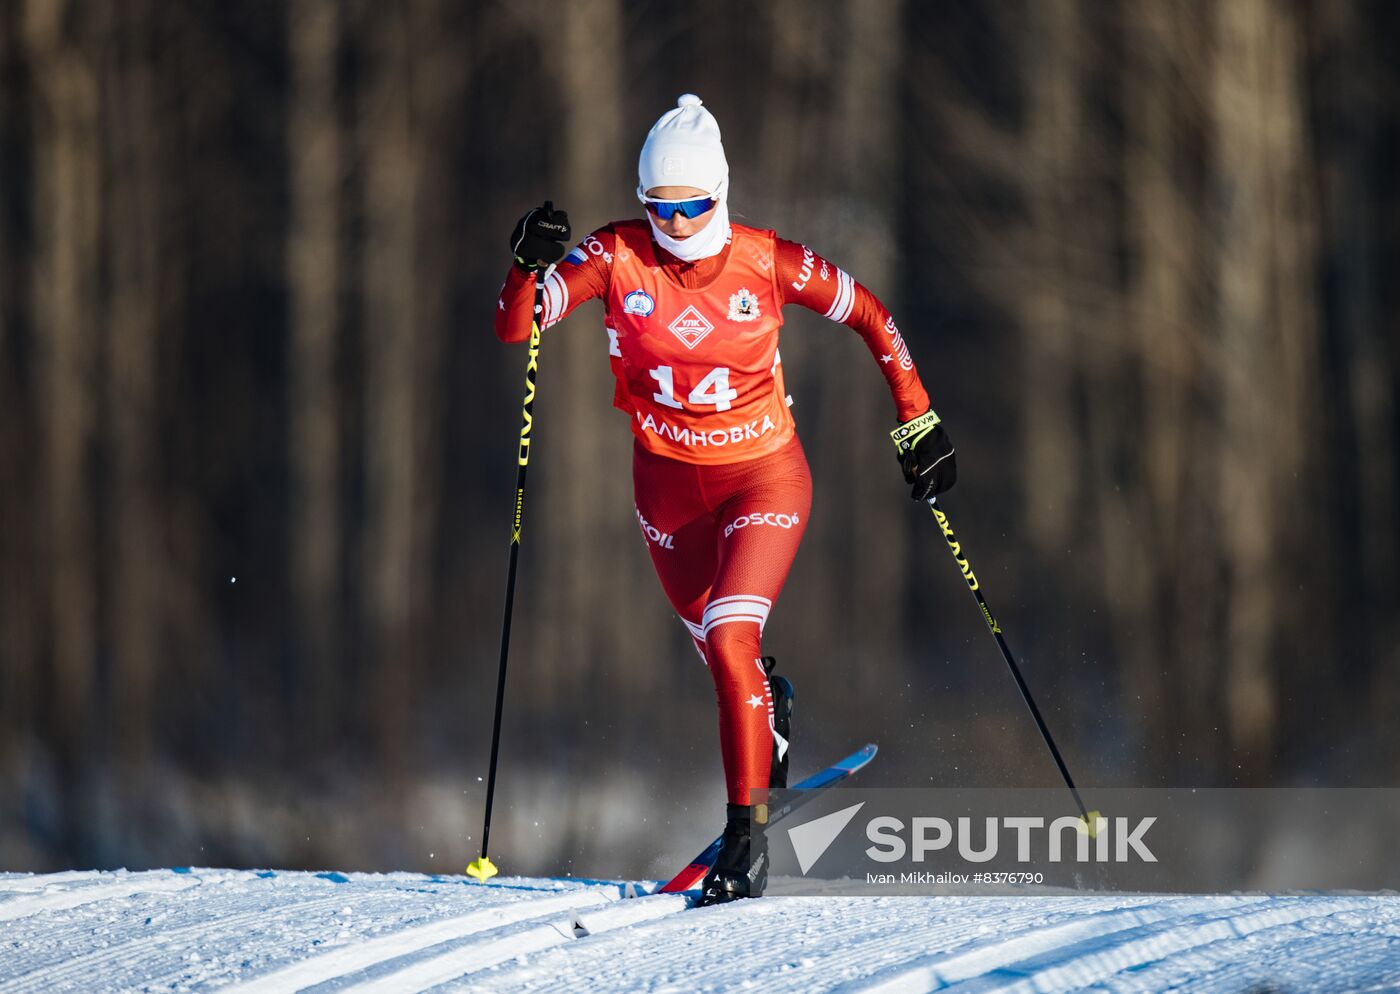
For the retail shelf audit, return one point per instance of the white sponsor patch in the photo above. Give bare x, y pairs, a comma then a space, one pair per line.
695, 437
690, 327
809, 259
638, 302
743, 306
769, 518
654, 535
593, 245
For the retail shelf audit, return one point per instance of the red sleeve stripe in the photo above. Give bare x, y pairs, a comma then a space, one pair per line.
840, 308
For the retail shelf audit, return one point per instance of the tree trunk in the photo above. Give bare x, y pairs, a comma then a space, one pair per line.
865, 140
1268, 350
1171, 646
67, 260
19, 449
133, 247
391, 156
585, 648
1055, 134
315, 147
1349, 84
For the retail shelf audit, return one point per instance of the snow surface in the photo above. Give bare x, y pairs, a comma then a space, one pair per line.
185, 930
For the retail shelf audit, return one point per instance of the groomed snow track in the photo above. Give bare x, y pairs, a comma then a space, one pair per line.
186, 930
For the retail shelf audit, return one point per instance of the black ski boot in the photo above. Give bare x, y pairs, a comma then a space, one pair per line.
781, 688
741, 869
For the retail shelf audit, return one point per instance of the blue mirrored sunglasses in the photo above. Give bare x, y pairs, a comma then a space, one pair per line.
667, 209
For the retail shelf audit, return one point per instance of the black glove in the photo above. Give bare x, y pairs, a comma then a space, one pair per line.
926, 455
539, 237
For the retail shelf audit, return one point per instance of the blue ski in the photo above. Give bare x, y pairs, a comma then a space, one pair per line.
690, 877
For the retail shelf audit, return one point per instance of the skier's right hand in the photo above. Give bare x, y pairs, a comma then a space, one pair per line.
539, 237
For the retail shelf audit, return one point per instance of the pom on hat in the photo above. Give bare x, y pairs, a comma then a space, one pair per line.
684, 148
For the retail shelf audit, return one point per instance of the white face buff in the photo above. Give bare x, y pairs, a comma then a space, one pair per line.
684, 148
709, 240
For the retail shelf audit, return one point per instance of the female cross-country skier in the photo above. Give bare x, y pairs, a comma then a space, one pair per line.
692, 307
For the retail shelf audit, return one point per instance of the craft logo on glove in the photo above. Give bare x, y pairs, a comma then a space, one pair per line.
910, 432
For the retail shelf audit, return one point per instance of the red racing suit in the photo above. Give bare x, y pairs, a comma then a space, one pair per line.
722, 486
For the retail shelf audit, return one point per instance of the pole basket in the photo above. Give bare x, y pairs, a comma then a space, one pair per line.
482, 868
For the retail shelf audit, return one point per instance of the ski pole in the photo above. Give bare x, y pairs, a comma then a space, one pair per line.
482, 868
1089, 818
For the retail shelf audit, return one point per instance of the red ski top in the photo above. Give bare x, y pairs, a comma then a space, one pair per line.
694, 346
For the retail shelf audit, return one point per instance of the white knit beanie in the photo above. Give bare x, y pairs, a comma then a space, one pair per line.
684, 148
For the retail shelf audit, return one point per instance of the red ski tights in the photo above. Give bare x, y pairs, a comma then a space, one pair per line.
722, 539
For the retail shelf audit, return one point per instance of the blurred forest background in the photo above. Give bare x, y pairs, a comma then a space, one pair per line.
257, 438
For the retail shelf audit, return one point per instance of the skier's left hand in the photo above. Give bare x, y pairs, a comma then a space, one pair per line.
925, 455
